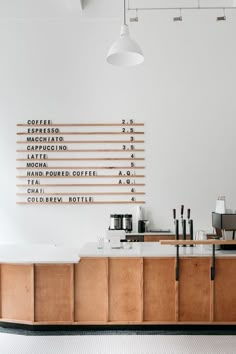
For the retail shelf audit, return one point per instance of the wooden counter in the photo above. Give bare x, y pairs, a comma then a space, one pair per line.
121, 290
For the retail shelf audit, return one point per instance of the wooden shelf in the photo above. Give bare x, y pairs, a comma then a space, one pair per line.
198, 242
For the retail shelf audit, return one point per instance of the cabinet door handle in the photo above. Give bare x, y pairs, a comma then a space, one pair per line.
213, 263
177, 264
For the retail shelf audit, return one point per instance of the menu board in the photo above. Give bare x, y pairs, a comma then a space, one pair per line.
96, 163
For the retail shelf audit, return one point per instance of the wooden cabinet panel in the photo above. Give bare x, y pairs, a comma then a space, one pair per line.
17, 292
156, 238
194, 289
91, 290
125, 289
225, 290
159, 289
54, 293
119, 290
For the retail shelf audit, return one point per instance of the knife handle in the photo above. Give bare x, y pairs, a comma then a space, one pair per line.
174, 214
184, 230
177, 229
188, 213
191, 229
182, 210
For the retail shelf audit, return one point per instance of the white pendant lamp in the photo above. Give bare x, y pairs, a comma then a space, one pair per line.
125, 51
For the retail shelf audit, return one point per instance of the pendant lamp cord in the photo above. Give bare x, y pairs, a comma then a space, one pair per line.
124, 12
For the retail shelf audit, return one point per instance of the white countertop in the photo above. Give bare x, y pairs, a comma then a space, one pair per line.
149, 249
37, 253
44, 253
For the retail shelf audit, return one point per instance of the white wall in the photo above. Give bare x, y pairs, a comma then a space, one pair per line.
54, 67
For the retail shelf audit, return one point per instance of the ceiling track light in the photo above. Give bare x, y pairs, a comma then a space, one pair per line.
178, 18
194, 8
125, 51
221, 18
134, 19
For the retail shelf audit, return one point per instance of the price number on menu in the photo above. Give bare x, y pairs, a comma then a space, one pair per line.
128, 121
126, 173
128, 147
127, 181
129, 130
133, 199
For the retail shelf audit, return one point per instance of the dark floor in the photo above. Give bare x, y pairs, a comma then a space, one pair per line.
117, 329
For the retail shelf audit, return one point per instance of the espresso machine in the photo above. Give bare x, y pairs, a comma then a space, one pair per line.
225, 227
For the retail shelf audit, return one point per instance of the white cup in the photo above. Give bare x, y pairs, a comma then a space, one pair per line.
127, 245
200, 235
100, 242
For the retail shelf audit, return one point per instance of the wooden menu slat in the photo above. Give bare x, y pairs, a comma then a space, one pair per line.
100, 176
97, 150
84, 125
84, 203
131, 185
87, 159
80, 133
86, 193
82, 150
84, 167
89, 142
